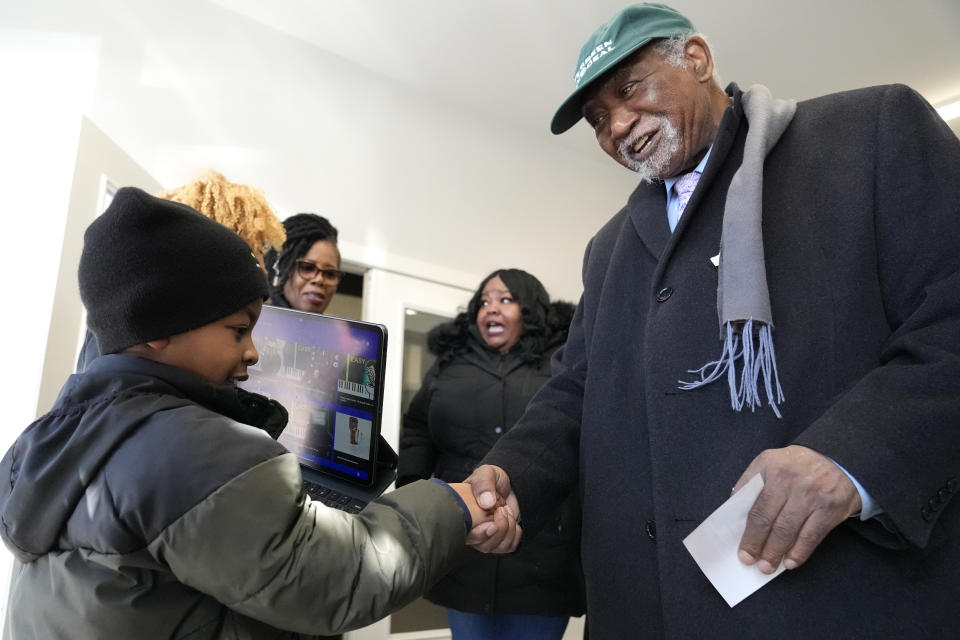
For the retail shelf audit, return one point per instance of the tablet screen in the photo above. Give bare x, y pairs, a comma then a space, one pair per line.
328, 373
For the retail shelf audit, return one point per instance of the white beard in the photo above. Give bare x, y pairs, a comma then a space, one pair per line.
657, 163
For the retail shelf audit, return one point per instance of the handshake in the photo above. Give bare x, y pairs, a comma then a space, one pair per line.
494, 509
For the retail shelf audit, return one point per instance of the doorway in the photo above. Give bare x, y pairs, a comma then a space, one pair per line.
420, 615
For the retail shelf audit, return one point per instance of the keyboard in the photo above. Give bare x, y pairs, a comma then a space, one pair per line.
355, 389
331, 498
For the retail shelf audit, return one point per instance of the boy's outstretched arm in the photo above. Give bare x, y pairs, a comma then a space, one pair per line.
267, 552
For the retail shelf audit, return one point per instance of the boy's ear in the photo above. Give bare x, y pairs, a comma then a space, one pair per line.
159, 344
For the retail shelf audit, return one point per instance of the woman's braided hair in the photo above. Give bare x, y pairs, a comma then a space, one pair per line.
303, 230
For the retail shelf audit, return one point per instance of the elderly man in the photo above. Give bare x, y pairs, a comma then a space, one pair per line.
779, 296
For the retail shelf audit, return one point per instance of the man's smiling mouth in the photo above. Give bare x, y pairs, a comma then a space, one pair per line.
641, 143
635, 148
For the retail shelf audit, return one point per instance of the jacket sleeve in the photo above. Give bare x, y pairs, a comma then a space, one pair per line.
896, 430
262, 548
418, 454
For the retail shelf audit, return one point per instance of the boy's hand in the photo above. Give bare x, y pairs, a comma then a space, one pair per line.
500, 536
478, 515
494, 530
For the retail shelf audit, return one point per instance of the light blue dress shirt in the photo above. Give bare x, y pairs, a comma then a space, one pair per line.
869, 507
673, 200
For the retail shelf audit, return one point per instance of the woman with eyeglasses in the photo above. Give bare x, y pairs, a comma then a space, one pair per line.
305, 273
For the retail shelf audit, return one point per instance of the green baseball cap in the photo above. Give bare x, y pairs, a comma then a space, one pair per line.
624, 33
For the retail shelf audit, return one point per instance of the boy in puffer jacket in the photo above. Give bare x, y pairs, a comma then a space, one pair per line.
152, 501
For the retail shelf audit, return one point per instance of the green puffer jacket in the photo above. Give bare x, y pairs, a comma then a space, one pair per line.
143, 505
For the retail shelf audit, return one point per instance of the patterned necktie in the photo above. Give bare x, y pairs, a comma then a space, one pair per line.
684, 187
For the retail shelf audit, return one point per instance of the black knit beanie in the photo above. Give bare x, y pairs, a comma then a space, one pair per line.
152, 268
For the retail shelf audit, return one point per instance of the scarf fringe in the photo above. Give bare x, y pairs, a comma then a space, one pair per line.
757, 359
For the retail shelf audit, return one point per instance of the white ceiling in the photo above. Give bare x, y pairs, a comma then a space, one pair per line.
416, 124
514, 59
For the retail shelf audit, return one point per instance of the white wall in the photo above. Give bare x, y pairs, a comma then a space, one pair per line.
186, 85
97, 159
40, 121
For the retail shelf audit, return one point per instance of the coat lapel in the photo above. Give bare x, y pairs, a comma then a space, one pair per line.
647, 207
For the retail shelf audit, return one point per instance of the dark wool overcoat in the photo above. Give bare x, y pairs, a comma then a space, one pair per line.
861, 232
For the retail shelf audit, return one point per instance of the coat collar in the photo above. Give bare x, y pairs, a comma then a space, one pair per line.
491, 360
122, 372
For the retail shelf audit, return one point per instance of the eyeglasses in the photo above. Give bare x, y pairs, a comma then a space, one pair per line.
309, 271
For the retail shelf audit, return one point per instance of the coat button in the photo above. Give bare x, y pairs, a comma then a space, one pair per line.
664, 294
952, 485
651, 529
926, 514
497, 430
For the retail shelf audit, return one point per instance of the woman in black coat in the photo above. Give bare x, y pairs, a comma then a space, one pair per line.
491, 360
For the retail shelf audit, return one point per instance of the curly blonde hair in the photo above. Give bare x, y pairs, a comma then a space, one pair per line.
239, 207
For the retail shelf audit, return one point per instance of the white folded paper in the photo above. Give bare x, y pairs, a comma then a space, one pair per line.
715, 542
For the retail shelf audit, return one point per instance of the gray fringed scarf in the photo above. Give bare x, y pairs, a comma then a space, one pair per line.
743, 299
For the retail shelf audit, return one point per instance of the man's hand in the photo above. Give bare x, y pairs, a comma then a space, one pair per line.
805, 495
491, 488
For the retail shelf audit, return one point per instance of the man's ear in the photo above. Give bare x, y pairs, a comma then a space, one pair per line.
699, 58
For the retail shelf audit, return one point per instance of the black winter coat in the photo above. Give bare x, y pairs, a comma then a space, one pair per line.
460, 411
861, 229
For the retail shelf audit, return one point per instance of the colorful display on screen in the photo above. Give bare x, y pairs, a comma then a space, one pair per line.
323, 370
